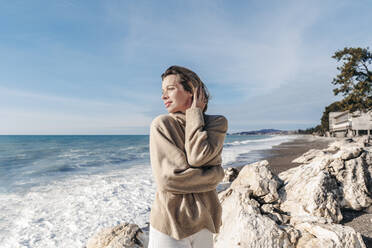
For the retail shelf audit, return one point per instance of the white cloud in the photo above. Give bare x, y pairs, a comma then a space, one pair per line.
259, 55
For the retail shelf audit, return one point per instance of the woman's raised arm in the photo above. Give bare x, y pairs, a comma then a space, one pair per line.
170, 167
203, 143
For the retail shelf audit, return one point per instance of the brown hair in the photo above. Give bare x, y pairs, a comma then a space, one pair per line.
187, 76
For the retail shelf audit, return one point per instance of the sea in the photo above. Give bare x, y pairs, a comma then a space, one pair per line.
58, 191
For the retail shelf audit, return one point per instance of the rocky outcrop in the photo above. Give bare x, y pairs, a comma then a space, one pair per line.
311, 193
346, 177
124, 235
249, 215
328, 235
309, 155
259, 178
301, 206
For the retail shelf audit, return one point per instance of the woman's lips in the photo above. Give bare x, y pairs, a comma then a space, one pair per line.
167, 104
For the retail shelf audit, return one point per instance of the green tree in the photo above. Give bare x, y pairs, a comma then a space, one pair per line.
333, 107
355, 78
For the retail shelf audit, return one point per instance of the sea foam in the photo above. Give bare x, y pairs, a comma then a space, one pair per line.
66, 213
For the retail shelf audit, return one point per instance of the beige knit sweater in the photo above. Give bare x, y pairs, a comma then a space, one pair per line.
185, 153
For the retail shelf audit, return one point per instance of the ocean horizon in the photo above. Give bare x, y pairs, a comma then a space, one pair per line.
59, 190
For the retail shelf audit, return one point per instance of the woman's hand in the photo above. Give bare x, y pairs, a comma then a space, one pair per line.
199, 98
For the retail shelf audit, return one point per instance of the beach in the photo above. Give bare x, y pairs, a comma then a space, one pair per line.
280, 157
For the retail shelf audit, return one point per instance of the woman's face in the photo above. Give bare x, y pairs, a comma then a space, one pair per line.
175, 97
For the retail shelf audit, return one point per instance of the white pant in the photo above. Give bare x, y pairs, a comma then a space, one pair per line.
201, 239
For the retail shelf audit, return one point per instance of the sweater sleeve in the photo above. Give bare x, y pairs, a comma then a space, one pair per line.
171, 170
203, 142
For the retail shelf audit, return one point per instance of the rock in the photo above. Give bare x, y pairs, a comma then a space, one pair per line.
350, 169
312, 197
310, 192
245, 222
230, 174
328, 235
124, 235
355, 184
308, 156
369, 210
368, 160
271, 212
259, 178
348, 153
332, 149
365, 140
244, 226
293, 233
267, 208
309, 170
301, 206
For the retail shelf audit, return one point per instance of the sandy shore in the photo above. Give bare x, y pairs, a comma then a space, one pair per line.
280, 159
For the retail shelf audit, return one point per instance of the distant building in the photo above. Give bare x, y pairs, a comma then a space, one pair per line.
344, 123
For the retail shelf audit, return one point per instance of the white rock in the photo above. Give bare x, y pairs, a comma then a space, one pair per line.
350, 152
244, 226
124, 235
328, 236
349, 172
311, 198
309, 156
259, 178
355, 185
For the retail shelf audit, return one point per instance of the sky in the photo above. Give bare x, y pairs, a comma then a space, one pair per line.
93, 67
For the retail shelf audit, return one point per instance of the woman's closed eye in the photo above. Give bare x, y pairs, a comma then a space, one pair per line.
170, 88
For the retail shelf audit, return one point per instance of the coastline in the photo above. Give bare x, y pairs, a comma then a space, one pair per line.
280, 156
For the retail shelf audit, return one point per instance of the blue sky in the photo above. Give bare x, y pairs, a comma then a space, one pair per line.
93, 67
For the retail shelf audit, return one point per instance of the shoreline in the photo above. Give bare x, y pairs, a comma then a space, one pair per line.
280, 156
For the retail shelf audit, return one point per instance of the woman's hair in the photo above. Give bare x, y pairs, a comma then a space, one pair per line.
186, 76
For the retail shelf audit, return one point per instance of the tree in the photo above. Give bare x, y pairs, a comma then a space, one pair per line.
333, 107
355, 78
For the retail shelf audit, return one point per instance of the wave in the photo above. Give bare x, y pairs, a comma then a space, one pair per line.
233, 152
55, 213
250, 141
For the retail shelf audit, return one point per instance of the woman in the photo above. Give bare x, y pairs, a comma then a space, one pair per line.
185, 153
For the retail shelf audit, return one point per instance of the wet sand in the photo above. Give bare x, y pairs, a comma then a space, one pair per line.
280, 157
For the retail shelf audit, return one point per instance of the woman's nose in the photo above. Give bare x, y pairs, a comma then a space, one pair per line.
164, 96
